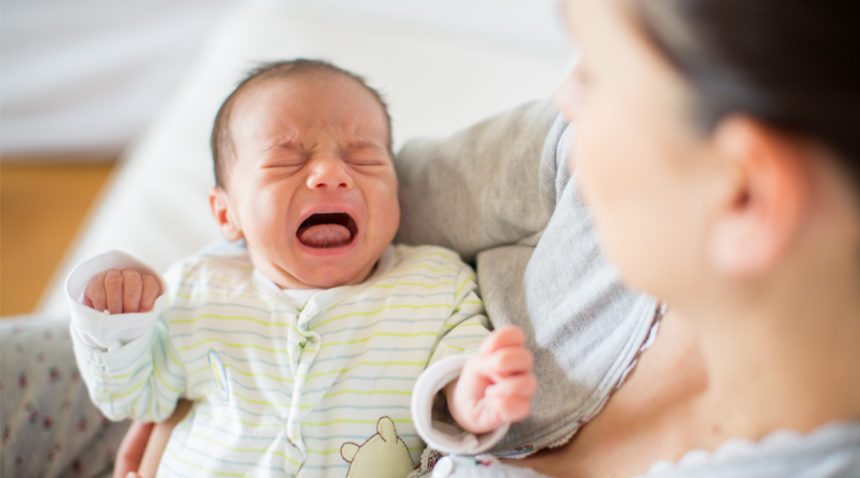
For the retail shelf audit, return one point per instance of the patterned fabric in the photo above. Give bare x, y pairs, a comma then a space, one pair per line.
49, 427
285, 389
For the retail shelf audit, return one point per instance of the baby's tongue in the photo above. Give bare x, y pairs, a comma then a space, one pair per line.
325, 235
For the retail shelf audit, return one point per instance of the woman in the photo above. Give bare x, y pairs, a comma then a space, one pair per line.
715, 144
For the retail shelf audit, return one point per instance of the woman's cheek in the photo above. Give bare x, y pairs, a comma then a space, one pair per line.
589, 162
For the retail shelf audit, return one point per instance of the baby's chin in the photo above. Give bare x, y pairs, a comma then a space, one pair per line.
335, 275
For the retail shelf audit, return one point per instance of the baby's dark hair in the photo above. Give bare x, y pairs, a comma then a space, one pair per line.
221, 141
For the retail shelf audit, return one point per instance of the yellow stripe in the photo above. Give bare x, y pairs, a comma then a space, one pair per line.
470, 322
240, 318
275, 427
368, 392
422, 285
195, 271
121, 395
392, 363
144, 383
253, 401
353, 422
196, 465
378, 311
380, 334
205, 370
210, 295
227, 344
336, 451
462, 286
257, 451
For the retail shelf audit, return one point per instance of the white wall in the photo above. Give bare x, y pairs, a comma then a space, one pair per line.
90, 74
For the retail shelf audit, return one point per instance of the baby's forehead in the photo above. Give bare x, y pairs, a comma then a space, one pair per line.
303, 112
330, 82
270, 92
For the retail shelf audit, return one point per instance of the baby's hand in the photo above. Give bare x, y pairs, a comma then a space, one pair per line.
496, 386
122, 291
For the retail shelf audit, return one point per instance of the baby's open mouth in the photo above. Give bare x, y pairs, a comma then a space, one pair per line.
326, 230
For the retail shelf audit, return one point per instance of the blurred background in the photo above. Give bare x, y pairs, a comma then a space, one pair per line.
96, 97
79, 79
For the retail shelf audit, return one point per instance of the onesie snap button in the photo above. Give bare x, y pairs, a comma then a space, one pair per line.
444, 467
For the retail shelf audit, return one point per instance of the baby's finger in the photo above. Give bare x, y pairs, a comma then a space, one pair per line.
113, 291
507, 336
132, 287
94, 296
151, 291
521, 386
514, 409
508, 361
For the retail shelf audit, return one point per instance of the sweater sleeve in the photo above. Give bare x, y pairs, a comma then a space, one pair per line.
127, 361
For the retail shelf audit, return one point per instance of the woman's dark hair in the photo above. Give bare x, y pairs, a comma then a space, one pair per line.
793, 64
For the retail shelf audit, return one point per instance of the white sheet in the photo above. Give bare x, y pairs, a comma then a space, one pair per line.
441, 64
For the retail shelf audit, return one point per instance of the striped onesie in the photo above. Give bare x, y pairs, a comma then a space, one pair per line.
286, 382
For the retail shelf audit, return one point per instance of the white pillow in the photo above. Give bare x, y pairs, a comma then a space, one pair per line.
441, 65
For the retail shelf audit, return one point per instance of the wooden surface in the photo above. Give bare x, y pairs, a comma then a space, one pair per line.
42, 205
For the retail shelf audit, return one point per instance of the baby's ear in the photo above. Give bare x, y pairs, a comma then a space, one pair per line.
219, 203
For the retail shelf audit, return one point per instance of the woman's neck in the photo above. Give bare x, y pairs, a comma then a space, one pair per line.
789, 362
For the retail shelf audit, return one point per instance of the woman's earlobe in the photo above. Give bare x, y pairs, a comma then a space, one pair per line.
219, 204
763, 204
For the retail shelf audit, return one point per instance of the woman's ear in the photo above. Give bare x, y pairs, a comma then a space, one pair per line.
762, 198
223, 214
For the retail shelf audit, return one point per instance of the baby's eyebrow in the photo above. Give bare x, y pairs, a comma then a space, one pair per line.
363, 143
288, 144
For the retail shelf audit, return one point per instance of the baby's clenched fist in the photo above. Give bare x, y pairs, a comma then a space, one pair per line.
122, 291
496, 386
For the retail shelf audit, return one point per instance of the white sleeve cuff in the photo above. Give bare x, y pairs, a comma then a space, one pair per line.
100, 330
442, 436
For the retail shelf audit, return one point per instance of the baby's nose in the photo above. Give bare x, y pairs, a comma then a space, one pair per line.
329, 173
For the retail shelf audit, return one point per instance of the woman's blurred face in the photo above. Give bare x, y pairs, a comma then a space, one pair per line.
643, 168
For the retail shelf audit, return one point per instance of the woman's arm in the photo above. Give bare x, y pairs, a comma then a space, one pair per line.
479, 188
144, 444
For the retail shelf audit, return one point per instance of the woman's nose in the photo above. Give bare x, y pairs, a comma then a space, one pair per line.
567, 97
329, 173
